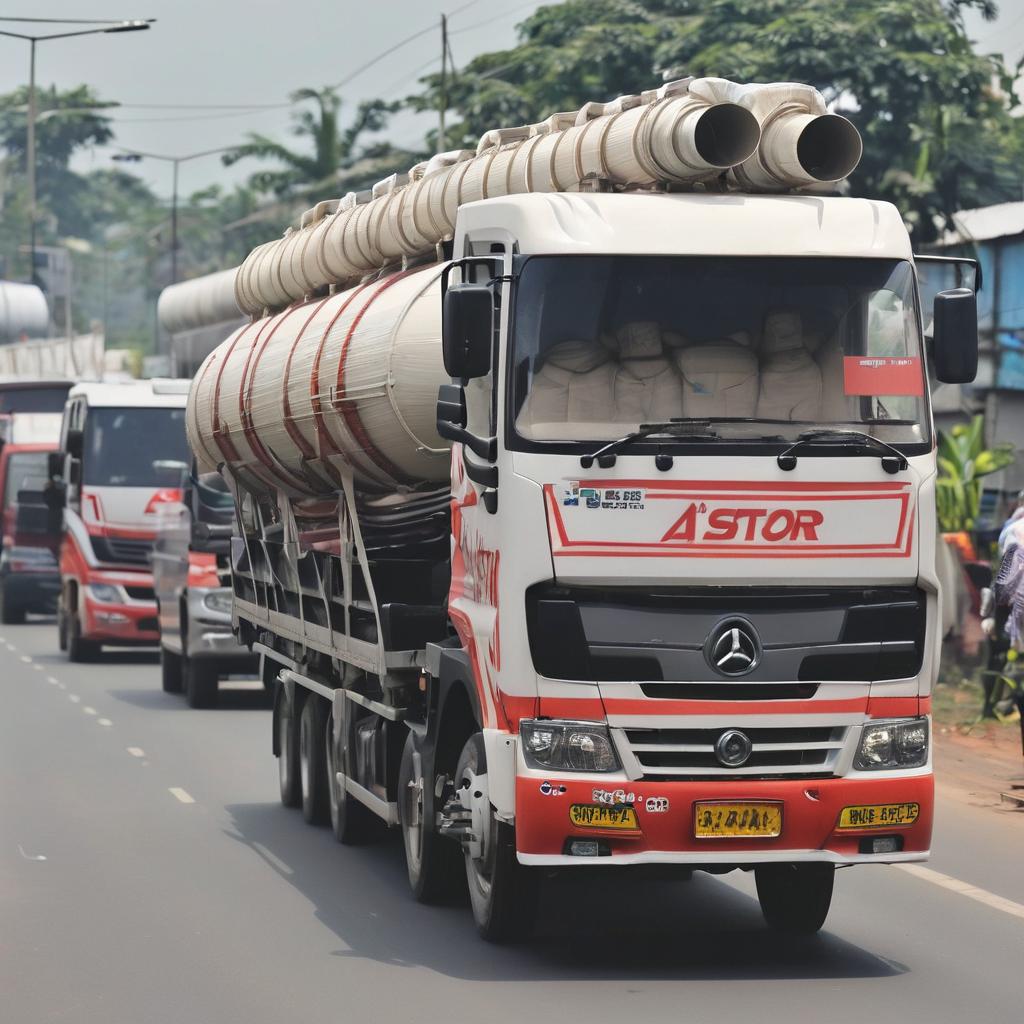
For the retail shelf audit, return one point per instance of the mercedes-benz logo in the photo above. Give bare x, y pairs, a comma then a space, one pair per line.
733, 748
733, 648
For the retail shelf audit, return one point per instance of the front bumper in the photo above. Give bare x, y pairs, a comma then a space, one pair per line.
126, 625
810, 816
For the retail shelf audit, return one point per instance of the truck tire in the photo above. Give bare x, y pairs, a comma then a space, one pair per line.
432, 861
79, 650
200, 681
288, 756
795, 898
170, 671
313, 762
62, 626
502, 893
351, 822
11, 613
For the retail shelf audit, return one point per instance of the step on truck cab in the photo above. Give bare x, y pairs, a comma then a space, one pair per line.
675, 604
123, 452
192, 579
30, 539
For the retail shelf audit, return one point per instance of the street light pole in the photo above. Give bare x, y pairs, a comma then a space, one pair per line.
30, 142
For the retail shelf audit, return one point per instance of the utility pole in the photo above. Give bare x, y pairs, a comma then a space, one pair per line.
135, 25
441, 140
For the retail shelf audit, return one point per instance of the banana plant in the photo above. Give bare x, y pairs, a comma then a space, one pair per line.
963, 461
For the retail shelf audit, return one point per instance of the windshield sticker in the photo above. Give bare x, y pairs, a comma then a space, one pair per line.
882, 375
616, 498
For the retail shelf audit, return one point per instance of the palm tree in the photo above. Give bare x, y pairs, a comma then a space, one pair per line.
333, 149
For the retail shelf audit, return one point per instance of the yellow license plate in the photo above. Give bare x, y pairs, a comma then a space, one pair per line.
617, 816
879, 815
715, 820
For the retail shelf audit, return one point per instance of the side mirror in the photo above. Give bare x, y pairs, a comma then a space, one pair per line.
75, 472
75, 443
451, 406
55, 464
955, 336
467, 330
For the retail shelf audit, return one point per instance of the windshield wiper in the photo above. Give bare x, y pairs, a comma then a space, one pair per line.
892, 459
680, 430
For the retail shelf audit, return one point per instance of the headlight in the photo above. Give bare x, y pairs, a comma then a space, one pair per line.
218, 601
893, 745
568, 746
105, 593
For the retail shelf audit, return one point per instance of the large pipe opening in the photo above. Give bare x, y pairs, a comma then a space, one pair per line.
726, 134
829, 148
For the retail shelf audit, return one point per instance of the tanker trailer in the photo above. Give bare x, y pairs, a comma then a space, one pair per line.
584, 496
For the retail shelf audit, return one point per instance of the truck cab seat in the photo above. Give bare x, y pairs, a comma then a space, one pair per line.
791, 387
718, 379
647, 387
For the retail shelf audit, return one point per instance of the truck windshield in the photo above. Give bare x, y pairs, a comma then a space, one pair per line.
33, 399
762, 348
135, 448
24, 468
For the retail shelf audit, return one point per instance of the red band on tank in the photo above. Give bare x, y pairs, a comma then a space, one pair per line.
294, 433
347, 407
221, 434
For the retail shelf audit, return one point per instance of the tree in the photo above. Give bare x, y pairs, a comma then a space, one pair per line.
333, 147
934, 114
963, 461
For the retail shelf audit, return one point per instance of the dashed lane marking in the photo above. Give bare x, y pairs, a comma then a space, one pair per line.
972, 892
25, 658
180, 794
104, 721
37, 666
73, 698
52, 681
136, 751
86, 710
62, 686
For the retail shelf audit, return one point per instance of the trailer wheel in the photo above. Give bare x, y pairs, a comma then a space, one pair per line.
62, 626
312, 762
288, 753
795, 897
351, 822
502, 893
200, 678
170, 671
433, 862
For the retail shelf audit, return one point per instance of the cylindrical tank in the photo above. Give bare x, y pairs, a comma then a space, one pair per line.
199, 302
23, 312
294, 400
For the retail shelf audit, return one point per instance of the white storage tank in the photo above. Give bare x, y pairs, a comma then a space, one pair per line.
23, 312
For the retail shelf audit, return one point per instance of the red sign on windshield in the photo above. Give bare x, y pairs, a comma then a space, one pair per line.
882, 375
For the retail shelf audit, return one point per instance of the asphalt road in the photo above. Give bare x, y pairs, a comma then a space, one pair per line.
148, 874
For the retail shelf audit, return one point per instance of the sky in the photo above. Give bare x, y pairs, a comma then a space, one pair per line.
208, 52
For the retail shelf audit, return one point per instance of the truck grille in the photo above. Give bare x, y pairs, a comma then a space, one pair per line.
680, 754
122, 550
141, 593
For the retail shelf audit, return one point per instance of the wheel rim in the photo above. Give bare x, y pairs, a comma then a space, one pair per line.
474, 795
412, 822
285, 746
305, 769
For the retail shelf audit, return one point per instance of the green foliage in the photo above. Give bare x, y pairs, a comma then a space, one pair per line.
934, 114
963, 460
333, 148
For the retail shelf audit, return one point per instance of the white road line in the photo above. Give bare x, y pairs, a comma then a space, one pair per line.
272, 859
972, 892
25, 658
104, 721
86, 710
62, 686
52, 681
73, 698
37, 666
136, 751
180, 794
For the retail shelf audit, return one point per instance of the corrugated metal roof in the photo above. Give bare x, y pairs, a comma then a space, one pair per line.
986, 222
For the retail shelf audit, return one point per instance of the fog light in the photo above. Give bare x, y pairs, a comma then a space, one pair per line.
586, 848
881, 844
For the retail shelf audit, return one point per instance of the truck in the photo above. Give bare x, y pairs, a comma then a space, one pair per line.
192, 579
652, 585
122, 455
29, 536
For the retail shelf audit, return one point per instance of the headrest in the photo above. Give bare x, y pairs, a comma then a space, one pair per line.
783, 332
639, 340
576, 356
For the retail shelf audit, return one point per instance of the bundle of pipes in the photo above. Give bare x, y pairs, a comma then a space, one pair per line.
752, 137
198, 303
316, 388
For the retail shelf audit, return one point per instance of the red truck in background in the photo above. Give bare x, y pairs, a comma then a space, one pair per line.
29, 576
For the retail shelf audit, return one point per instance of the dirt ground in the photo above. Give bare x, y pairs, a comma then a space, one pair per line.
979, 762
